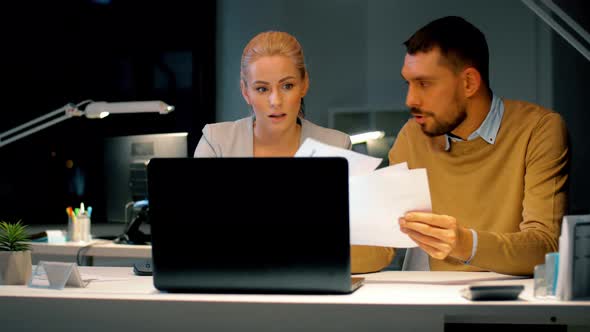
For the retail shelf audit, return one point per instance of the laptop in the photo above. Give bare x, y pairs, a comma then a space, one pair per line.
250, 225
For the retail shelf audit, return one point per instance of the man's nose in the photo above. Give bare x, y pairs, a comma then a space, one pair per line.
412, 98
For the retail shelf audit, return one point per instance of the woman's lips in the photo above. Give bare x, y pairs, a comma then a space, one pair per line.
277, 117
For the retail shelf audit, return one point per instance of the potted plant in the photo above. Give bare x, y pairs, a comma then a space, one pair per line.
15, 254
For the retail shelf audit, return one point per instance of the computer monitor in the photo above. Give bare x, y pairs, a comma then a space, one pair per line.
125, 173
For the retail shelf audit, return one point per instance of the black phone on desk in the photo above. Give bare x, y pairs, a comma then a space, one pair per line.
143, 268
492, 292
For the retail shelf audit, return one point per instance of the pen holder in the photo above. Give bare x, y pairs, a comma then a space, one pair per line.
79, 229
84, 222
73, 230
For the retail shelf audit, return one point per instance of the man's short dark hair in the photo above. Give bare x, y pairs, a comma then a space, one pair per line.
459, 41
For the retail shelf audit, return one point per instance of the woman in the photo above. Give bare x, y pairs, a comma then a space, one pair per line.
274, 81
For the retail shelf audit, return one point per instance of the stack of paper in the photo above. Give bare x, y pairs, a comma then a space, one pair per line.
377, 198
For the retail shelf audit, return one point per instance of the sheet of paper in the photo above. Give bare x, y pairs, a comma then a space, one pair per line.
56, 236
358, 163
393, 169
379, 199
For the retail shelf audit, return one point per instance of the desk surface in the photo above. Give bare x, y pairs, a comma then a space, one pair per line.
95, 248
422, 301
100, 248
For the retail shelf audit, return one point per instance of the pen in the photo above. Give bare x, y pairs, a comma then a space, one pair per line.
89, 211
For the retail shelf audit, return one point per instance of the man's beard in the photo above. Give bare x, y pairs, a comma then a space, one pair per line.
441, 127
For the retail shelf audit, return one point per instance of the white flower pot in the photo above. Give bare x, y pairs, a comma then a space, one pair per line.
15, 267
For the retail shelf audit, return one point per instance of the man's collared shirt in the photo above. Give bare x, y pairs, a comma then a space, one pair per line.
489, 127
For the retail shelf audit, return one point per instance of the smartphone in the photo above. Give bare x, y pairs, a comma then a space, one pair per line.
143, 268
492, 292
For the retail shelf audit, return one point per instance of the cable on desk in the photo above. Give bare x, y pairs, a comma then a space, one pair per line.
85, 248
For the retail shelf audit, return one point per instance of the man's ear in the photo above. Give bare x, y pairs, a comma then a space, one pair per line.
471, 81
244, 89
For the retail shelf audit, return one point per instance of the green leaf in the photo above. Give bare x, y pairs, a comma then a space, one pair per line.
13, 236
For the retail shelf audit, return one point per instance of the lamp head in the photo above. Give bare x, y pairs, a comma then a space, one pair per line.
99, 110
364, 137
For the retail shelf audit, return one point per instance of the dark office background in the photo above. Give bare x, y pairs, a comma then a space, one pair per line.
56, 52
570, 75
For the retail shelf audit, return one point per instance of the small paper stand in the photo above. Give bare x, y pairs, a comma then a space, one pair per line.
56, 275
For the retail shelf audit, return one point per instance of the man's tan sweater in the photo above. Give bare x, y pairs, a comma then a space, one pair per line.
513, 193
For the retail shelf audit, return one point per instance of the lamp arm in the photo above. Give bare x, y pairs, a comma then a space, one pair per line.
91, 111
548, 18
39, 123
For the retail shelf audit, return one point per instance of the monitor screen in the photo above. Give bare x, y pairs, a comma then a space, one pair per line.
125, 173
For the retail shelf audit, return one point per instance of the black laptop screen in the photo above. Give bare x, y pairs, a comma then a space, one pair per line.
249, 223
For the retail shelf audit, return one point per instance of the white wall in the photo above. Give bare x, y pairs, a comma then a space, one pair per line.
354, 48
334, 42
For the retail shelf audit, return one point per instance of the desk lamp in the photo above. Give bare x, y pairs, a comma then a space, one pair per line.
364, 137
92, 110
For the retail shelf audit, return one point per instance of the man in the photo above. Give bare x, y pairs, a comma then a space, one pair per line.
497, 168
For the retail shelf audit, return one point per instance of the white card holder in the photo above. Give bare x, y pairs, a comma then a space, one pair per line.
56, 275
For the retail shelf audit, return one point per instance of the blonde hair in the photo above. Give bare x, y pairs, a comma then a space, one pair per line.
271, 43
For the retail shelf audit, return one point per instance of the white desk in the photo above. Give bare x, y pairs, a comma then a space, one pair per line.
389, 301
108, 252
104, 249
99, 248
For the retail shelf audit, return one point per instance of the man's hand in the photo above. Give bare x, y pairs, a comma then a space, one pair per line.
439, 235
